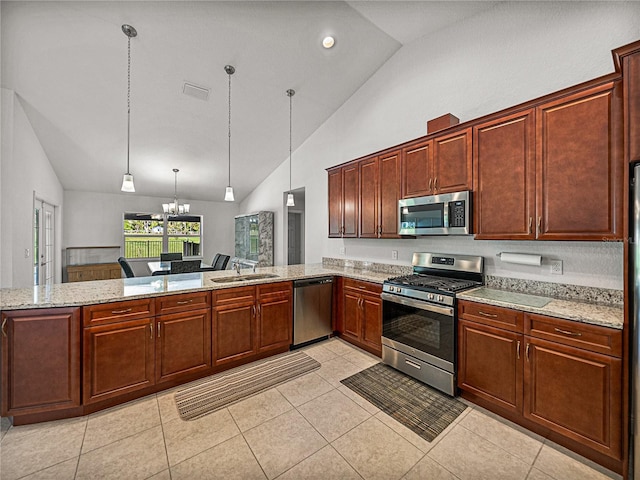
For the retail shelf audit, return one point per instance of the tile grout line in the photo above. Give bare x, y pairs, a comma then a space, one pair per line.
84, 434
164, 440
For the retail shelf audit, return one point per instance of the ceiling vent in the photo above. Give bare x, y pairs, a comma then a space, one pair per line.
201, 93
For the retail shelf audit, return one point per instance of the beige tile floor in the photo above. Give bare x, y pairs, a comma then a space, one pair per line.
309, 428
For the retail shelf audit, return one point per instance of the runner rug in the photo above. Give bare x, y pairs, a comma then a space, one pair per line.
417, 406
232, 386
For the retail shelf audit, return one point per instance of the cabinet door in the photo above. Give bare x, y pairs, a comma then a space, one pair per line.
335, 202
389, 194
183, 344
118, 359
576, 393
452, 162
372, 322
417, 168
504, 197
40, 360
275, 316
234, 332
350, 195
351, 314
631, 80
579, 174
490, 364
369, 198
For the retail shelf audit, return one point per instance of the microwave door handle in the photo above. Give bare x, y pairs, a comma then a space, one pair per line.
445, 214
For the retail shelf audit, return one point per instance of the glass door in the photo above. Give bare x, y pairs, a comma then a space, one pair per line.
43, 243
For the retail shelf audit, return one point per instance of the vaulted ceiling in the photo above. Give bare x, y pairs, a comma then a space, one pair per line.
67, 62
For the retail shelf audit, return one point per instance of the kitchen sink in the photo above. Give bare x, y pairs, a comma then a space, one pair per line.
244, 278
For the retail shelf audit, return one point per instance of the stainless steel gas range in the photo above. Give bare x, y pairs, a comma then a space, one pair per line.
419, 316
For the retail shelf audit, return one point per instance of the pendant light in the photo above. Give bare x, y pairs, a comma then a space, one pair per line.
175, 208
127, 179
290, 201
228, 193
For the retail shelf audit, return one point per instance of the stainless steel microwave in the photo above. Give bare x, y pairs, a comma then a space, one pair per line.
446, 214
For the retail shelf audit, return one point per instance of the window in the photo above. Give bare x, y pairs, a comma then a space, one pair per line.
147, 235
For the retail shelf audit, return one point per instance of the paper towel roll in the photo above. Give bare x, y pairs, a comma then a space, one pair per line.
521, 258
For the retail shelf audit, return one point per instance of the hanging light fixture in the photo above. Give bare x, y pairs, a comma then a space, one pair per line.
290, 201
127, 179
228, 193
175, 208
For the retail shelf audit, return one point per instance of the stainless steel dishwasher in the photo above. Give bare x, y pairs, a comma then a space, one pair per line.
311, 309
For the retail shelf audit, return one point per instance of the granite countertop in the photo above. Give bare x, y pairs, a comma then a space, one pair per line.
104, 291
603, 315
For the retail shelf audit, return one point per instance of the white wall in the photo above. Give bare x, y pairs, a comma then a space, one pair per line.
25, 171
95, 219
507, 55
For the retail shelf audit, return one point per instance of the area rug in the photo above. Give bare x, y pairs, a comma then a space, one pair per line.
417, 406
232, 386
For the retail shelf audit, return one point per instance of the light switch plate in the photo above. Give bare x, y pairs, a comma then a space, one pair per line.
394, 254
343, 251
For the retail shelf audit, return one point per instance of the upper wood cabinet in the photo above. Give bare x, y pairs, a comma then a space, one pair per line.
629, 58
553, 172
379, 194
579, 173
343, 201
504, 164
438, 165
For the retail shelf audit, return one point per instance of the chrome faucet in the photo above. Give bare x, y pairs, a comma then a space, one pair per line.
236, 266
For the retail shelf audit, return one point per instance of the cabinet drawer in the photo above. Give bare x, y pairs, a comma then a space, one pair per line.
118, 311
229, 296
491, 315
274, 289
362, 286
182, 303
582, 335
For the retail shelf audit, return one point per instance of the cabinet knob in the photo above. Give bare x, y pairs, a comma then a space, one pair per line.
518, 349
430, 183
4, 324
435, 184
530, 224
151, 328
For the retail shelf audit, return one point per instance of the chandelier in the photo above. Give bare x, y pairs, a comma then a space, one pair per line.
175, 208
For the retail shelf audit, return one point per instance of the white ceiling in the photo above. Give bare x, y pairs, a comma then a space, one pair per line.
67, 61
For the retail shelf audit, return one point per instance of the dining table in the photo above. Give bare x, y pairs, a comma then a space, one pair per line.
158, 266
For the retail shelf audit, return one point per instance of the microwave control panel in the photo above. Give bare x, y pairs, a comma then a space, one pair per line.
456, 217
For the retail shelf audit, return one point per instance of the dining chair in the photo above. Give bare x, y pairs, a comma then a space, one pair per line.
160, 272
185, 266
220, 261
168, 257
126, 268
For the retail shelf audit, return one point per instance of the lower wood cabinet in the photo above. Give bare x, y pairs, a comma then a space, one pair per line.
183, 344
118, 359
249, 321
361, 322
40, 360
562, 375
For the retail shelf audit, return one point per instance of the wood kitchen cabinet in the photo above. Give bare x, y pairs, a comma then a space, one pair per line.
250, 321
379, 179
183, 336
233, 324
504, 165
362, 315
118, 359
343, 196
628, 58
40, 360
439, 165
274, 316
552, 172
561, 375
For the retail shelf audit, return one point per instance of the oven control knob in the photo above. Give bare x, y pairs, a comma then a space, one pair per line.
430, 296
440, 298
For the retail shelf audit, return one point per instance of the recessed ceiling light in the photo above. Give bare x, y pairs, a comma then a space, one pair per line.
328, 42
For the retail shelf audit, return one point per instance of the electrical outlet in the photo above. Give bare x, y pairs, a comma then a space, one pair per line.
26, 253
556, 267
394, 254
343, 251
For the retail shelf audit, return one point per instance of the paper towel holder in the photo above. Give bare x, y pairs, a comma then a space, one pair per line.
520, 258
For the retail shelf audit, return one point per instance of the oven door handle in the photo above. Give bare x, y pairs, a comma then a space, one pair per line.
410, 302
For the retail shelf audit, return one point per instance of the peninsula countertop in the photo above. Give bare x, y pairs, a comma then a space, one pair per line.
105, 291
